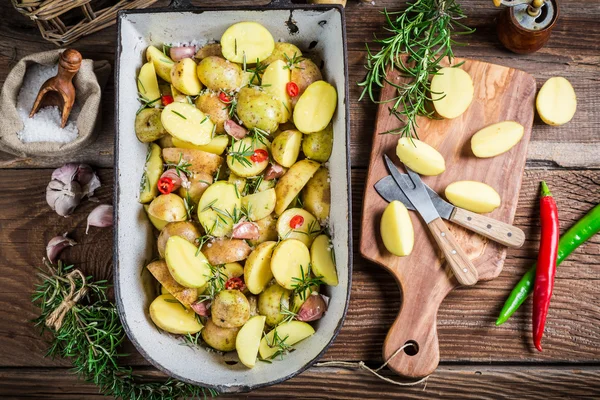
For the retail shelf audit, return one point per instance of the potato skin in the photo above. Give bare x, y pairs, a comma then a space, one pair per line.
222, 339
209, 103
223, 251
257, 109
212, 49
270, 302
160, 271
168, 207
303, 74
185, 229
198, 184
281, 50
148, 126
216, 73
318, 145
230, 309
316, 195
267, 228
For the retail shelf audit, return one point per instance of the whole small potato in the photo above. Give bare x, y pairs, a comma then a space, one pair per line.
148, 126
217, 74
185, 229
271, 301
303, 74
212, 49
230, 309
316, 195
223, 251
318, 145
197, 185
257, 109
209, 103
267, 228
168, 207
222, 339
281, 50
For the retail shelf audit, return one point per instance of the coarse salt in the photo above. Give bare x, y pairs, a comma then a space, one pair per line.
44, 126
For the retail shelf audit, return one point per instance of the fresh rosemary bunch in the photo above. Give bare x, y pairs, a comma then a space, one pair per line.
85, 328
423, 34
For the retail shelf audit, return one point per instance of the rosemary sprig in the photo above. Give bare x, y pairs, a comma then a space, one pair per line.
91, 336
146, 103
179, 114
181, 166
144, 182
241, 153
289, 315
189, 205
259, 136
305, 281
423, 33
282, 347
252, 185
257, 72
215, 283
293, 61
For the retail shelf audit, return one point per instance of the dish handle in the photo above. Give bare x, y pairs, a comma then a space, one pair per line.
185, 4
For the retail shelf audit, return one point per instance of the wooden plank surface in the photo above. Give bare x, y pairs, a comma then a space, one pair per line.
469, 340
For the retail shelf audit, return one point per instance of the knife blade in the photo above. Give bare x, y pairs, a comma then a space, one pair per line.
389, 190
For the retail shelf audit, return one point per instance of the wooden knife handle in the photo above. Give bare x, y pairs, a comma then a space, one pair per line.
495, 230
463, 268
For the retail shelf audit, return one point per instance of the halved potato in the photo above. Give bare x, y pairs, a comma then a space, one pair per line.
217, 207
420, 157
248, 340
184, 77
315, 107
290, 184
289, 333
233, 270
159, 223
473, 196
316, 195
259, 205
258, 109
556, 102
397, 230
187, 265
152, 172
211, 49
184, 229
257, 271
275, 80
239, 182
147, 84
187, 123
289, 260
217, 145
297, 223
452, 91
247, 42
173, 317
160, 271
244, 149
496, 139
168, 207
162, 63
286, 147
322, 258
200, 161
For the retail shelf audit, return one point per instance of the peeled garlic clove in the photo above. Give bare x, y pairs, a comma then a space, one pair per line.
56, 245
101, 216
63, 197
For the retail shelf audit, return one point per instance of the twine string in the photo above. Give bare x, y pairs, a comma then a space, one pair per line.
55, 320
362, 366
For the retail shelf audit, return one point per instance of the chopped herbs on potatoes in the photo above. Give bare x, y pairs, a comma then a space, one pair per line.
236, 103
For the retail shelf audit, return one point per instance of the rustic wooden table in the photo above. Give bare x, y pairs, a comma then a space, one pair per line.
479, 360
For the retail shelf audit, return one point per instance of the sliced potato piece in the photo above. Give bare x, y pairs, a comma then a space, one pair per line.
162, 63
187, 265
556, 102
257, 271
171, 316
216, 207
259, 205
290, 333
248, 340
157, 222
289, 260
160, 271
185, 122
290, 184
297, 223
286, 147
184, 77
152, 172
473, 196
304, 73
316, 195
420, 157
168, 207
201, 161
239, 182
322, 258
233, 270
147, 84
223, 251
217, 145
396, 229
184, 229
247, 41
496, 139
275, 80
315, 107
452, 91
245, 149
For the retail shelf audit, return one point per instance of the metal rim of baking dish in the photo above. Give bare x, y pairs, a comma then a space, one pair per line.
185, 6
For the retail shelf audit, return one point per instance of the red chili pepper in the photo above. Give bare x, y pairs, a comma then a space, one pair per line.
259, 155
167, 99
292, 89
235, 284
546, 264
166, 185
296, 221
224, 98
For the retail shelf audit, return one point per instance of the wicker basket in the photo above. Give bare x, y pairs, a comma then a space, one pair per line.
64, 21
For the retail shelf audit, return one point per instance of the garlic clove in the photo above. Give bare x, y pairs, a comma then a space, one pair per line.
66, 173
63, 197
178, 179
101, 217
88, 179
313, 308
56, 245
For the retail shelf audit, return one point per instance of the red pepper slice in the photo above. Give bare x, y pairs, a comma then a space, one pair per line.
165, 185
546, 264
259, 155
296, 222
224, 98
167, 99
292, 89
235, 284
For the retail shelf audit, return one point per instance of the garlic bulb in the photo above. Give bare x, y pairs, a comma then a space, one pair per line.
69, 185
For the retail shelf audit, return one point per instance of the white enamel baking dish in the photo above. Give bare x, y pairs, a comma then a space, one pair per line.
318, 28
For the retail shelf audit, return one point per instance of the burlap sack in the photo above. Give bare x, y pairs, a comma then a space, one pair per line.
89, 81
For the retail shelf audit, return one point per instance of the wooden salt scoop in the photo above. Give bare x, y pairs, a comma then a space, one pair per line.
59, 90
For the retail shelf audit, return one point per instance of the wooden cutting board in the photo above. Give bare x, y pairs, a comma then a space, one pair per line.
501, 94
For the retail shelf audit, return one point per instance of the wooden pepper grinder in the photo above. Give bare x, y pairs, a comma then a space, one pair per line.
525, 25
59, 90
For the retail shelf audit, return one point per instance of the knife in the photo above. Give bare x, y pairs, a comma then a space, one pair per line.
414, 189
491, 228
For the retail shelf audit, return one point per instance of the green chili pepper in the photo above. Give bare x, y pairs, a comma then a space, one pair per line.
579, 233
